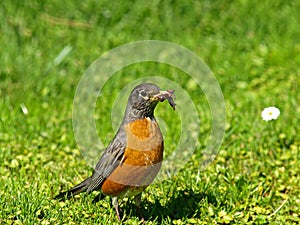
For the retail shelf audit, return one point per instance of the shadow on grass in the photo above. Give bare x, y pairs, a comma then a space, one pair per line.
184, 205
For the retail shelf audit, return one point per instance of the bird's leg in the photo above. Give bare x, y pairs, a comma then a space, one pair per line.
116, 206
137, 200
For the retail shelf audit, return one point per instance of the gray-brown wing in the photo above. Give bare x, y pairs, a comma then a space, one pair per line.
108, 162
110, 159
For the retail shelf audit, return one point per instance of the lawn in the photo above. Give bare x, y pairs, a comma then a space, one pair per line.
253, 49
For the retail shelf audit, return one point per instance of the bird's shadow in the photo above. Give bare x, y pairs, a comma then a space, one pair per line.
184, 204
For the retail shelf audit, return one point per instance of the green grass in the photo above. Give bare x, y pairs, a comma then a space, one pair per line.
251, 46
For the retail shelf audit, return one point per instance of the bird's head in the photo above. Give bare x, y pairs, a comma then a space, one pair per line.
144, 98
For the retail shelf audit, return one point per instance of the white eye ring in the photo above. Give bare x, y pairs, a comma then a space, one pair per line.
143, 95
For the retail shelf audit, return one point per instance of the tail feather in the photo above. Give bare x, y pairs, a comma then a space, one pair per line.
82, 187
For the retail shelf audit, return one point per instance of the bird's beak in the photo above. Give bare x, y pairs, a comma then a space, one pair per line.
166, 95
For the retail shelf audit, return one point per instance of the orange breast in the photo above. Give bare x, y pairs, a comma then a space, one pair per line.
141, 161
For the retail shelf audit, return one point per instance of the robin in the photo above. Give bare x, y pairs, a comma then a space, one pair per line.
133, 158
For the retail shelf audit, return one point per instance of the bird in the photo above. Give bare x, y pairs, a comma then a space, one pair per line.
134, 157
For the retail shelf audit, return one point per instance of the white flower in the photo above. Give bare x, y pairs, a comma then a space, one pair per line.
270, 113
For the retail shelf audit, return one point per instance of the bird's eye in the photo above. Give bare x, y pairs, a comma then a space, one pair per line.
143, 94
